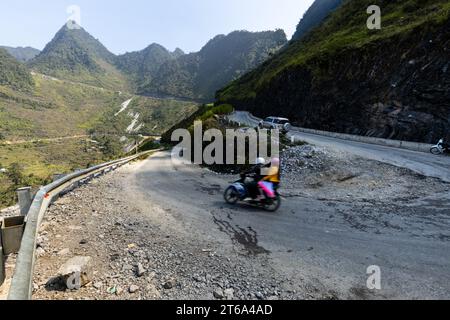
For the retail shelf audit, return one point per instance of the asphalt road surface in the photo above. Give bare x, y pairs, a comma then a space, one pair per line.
309, 240
423, 163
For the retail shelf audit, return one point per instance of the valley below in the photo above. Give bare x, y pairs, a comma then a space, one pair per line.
61, 126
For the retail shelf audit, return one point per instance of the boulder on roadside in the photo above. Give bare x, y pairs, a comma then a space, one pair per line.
133, 288
229, 294
218, 294
140, 270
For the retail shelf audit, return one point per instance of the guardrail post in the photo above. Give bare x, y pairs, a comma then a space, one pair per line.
24, 196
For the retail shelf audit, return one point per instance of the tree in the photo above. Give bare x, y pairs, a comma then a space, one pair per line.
15, 174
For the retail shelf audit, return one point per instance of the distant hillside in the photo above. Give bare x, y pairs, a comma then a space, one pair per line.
75, 55
224, 58
343, 77
13, 73
142, 66
22, 54
315, 15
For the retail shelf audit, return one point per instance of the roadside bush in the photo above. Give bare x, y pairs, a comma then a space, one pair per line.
14, 174
223, 109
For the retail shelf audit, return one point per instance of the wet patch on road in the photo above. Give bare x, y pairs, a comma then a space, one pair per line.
247, 237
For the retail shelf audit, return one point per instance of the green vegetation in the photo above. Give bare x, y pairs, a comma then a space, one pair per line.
143, 66
203, 113
33, 164
22, 54
13, 73
212, 117
149, 144
344, 30
54, 108
75, 55
57, 108
155, 117
222, 109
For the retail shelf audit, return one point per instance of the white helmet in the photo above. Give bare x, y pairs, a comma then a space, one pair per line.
260, 160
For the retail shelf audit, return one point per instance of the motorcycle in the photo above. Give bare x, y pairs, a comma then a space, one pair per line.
238, 191
439, 148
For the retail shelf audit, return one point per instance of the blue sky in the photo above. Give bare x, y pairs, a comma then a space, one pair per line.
133, 24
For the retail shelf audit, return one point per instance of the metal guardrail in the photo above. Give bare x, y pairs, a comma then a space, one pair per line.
22, 281
407, 145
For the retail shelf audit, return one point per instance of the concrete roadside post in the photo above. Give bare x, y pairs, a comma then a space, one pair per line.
12, 232
24, 196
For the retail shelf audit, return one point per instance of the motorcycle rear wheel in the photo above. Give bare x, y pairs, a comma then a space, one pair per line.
231, 196
273, 205
435, 151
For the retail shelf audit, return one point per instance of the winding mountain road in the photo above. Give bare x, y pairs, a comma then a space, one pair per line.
423, 163
318, 245
309, 240
58, 139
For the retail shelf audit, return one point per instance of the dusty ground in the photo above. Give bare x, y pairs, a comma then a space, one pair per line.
120, 236
330, 175
321, 172
10, 263
340, 214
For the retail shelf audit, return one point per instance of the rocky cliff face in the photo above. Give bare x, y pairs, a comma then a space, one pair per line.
397, 88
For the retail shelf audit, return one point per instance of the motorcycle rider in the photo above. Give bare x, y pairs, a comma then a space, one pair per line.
257, 176
270, 182
445, 145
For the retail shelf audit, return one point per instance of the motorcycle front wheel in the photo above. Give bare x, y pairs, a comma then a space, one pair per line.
273, 205
435, 151
231, 196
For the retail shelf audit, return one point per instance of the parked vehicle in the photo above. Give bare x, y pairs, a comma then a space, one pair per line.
238, 191
281, 124
440, 148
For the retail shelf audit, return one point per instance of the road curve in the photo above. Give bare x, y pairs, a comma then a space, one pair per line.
423, 163
309, 240
44, 140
